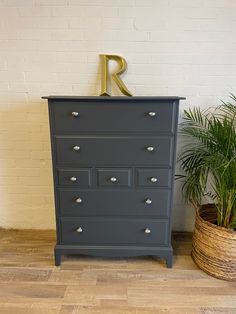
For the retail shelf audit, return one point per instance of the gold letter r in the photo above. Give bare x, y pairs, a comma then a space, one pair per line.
115, 76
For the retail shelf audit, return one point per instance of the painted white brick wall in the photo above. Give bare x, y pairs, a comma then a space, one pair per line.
173, 47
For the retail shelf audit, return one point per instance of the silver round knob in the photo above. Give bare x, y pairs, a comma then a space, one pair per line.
147, 231
113, 179
79, 200
79, 230
150, 148
73, 179
76, 148
148, 201
153, 179
75, 114
152, 114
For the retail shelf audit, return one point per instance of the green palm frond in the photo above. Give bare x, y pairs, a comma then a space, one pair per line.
210, 152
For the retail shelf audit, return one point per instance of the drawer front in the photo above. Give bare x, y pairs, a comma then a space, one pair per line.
155, 203
114, 231
114, 117
74, 177
115, 150
154, 177
114, 177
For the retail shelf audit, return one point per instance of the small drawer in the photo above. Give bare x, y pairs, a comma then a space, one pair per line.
154, 177
114, 231
114, 177
74, 177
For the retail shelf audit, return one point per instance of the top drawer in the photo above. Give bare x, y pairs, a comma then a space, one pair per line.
127, 116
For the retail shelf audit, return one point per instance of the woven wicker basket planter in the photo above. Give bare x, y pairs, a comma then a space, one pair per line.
214, 248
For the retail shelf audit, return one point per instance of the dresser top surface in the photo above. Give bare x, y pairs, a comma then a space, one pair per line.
112, 98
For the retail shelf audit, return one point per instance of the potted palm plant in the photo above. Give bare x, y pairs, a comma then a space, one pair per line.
208, 164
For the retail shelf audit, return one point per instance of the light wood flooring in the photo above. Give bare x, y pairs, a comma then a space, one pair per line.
30, 283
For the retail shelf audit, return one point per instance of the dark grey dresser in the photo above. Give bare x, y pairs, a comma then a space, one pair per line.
113, 167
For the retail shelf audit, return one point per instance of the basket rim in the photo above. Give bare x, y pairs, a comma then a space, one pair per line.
211, 225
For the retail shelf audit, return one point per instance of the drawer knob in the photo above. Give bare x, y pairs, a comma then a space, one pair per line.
147, 230
79, 230
79, 200
152, 114
153, 179
75, 114
148, 201
73, 179
76, 148
150, 148
113, 179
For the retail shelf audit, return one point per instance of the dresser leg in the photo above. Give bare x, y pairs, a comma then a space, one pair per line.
57, 257
167, 256
169, 262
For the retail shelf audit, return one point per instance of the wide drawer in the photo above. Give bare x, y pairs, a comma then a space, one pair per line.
114, 231
114, 177
154, 177
145, 202
77, 116
74, 177
86, 150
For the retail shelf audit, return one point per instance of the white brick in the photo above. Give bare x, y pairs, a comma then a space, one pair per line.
4, 87
47, 22
105, 3
85, 46
19, 45
88, 89
159, 90
72, 77
19, 23
117, 23
148, 69
33, 34
50, 2
69, 34
52, 22
8, 12
40, 76
49, 46
13, 97
15, 3
151, 3
77, 67
34, 11
116, 35
7, 34
83, 22
220, 3
88, 11
186, 3
127, 12
15, 65
71, 57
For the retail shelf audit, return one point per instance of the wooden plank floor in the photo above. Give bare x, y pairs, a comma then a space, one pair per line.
30, 283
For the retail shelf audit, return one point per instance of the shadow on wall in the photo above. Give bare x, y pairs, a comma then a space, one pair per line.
26, 194
183, 213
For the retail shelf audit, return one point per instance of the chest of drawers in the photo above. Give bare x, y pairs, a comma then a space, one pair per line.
113, 168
